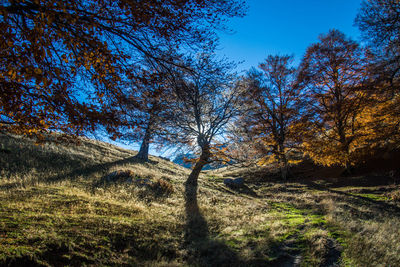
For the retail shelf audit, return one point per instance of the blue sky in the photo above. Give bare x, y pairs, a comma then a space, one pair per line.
285, 27
281, 27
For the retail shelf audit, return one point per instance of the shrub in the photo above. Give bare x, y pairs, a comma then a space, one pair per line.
394, 195
119, 176
162, 187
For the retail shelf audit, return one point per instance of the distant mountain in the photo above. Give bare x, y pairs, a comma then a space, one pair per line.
181, 160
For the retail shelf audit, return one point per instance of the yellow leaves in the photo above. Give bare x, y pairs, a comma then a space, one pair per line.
38, 71
266, 160
295, 161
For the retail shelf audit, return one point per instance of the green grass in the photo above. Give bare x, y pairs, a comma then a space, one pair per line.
376, 197
58, 208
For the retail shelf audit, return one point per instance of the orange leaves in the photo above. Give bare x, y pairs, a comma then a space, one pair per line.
12, 74
64, 58
219, 152
48, 49
336, 98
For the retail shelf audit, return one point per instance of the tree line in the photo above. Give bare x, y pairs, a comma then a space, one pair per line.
338, 107
146, 71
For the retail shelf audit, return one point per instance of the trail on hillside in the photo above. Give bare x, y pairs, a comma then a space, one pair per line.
292, 250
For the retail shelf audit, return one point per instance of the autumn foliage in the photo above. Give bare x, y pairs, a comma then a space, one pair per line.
339, 107
64, 64
271, 109
333, 75
144, 71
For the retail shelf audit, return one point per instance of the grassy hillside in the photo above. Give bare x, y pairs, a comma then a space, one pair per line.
94, 204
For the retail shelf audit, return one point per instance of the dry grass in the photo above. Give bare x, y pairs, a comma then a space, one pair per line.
57, 207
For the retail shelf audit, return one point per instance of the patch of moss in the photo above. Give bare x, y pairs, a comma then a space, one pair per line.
317, 219
375, 197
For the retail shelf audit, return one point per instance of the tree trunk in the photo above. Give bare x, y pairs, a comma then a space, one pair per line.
284, 169
345, 149
196, 225
194, 175
191, 189
144, 148
283, 163
347, 163
191, 182
347, 166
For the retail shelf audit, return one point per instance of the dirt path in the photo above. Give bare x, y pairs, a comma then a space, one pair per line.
292, 251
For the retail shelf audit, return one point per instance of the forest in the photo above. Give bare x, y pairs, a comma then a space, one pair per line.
147, 72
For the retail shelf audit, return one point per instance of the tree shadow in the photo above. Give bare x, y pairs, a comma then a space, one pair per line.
203, 250
360, 181
101, 168
245, 190
360, 200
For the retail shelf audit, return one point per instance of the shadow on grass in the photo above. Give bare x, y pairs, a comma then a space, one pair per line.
102, 168
360, 200
85, 171
360, 181
202, 250
245, 190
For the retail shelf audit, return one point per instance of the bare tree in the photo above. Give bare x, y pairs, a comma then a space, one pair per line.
205, 100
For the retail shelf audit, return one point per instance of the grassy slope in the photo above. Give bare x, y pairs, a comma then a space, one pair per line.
57, 208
